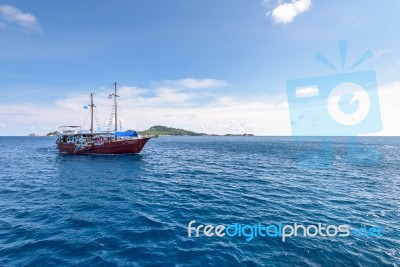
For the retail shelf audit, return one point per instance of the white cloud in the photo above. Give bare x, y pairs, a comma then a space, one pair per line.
380, 53
220, 116
141, 108
191, 83
390, 108
12, 15
285, 13
165, 94
233, 116
307, 91
132, 91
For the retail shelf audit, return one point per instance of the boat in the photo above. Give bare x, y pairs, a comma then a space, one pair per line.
72, 139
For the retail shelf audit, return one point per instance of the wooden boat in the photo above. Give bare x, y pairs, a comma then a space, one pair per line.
74, 140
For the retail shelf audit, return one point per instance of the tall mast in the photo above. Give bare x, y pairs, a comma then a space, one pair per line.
115, 105
91, 112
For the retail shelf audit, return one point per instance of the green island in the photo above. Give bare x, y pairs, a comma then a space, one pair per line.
164, 130
52, 133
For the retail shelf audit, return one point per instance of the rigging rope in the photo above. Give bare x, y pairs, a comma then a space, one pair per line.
87, 116
102, 90
96, 117
111, 119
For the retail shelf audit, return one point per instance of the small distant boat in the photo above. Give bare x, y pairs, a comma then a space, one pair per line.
74, 140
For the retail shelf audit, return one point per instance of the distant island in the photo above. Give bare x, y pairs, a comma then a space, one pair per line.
245, 134
52, 133
164, 130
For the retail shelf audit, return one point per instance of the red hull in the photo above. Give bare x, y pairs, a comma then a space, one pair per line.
117, 147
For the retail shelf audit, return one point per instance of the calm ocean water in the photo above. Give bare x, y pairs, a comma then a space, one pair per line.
134, 210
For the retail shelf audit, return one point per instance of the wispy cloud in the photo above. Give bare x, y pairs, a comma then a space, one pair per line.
283, 13
222, 114
171, 95
132, 91
380, 53
11, 16
192, 83
307, 91
141, 108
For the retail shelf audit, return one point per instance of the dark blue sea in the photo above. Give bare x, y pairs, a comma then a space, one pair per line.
134, 210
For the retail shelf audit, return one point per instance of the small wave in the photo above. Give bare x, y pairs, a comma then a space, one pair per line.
135, 210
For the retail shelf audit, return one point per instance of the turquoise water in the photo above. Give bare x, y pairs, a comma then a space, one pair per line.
134, 210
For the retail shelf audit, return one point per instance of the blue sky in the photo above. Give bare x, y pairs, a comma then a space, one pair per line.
214, 66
